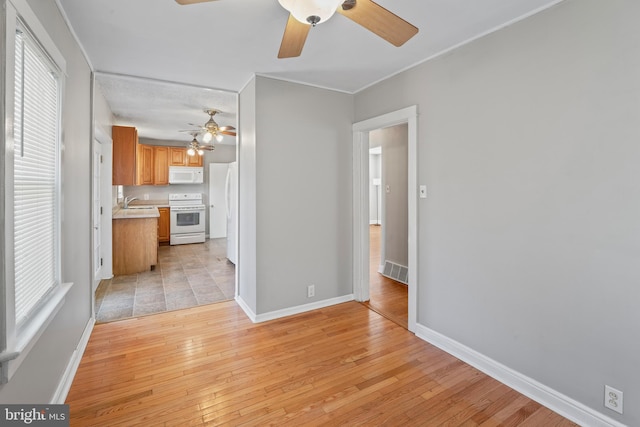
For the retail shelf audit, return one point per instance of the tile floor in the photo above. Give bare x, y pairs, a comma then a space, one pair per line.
186, 276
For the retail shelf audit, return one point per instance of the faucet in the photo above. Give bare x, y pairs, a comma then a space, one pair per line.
128, 200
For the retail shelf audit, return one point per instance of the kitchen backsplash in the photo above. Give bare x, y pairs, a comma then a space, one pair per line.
154, 192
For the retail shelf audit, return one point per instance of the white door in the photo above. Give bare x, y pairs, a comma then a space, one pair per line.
96, 213
217, 200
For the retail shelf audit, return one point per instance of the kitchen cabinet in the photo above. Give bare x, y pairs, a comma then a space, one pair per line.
133, 163
160, 165
164, 226
178, 157
194, 160
140, 164
135, 243
144, 165
125, 146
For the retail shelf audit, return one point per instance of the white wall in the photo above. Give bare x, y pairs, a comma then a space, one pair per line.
529, 238
39, 375
302, 177
103, 121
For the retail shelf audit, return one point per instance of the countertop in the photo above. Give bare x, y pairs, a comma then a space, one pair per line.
138, 212
153, 203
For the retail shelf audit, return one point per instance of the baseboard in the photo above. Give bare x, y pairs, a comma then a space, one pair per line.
258, 318
552, 399
62, 390
245, 307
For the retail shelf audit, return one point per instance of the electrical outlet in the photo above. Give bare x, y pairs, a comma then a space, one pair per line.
311, 291
613, 399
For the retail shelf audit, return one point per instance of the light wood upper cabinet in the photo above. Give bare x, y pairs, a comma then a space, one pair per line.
160, 165
125, 145
177, 156
194, 160
140, 164
144, 165
132, 161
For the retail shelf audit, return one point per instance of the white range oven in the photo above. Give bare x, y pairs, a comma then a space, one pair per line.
187, 216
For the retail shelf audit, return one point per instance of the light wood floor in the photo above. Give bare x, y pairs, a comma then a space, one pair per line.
386, 296
342, 365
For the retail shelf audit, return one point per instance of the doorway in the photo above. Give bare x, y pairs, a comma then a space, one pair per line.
388, 229
361, 207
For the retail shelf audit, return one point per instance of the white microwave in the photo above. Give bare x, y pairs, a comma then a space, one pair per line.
185, 175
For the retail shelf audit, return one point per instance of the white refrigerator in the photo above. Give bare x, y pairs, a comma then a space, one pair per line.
231, 196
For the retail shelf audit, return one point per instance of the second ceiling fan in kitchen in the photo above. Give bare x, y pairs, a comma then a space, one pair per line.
304, 14
209, 131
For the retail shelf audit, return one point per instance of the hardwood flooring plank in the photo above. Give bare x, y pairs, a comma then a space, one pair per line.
340, 365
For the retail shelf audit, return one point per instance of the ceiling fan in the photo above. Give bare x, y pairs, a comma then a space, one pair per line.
195, 147
304, 14
211, 129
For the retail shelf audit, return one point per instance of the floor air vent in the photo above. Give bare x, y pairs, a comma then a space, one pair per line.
395, 271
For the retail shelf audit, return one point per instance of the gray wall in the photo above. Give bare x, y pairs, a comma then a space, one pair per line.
302, 193
393, 141
375, 192
247, 199
528, 240
38, 376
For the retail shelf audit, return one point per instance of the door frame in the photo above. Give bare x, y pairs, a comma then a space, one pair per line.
96, 214
361, 257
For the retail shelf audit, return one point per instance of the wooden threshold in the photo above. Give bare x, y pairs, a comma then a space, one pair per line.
341, 365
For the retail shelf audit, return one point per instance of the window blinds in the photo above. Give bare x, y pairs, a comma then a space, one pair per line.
36, 151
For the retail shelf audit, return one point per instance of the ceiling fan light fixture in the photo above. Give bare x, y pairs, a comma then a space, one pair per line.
311, 11
200, 151
219, 137
191, 152
207, 137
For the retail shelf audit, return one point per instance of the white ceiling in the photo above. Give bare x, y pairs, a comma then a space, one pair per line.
222, 44
165, 111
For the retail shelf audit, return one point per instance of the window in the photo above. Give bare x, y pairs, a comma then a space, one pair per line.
35, 176
32, 291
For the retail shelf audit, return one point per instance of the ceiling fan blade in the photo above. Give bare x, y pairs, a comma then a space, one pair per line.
184, 2
226, 132
227, 128
380, 21
295, 34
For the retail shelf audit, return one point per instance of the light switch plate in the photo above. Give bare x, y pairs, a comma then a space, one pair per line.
423, 191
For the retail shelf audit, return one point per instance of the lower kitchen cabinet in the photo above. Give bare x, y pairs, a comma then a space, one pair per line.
135, 245
164, 230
